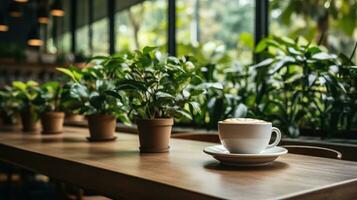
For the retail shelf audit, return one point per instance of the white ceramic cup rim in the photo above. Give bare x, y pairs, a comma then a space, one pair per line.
264, 123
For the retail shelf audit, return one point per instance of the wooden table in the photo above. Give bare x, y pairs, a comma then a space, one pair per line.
116, 169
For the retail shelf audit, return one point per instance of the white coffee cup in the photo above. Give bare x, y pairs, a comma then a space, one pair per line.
247, 136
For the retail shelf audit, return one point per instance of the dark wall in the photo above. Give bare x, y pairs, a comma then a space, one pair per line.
18, 27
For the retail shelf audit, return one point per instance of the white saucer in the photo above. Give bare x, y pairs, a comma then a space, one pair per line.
264, 158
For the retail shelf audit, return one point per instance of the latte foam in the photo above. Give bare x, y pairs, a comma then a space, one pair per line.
244, 121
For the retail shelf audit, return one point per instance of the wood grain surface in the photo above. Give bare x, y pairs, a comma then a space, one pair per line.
117, 169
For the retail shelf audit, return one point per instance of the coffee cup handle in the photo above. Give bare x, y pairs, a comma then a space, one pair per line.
277, 139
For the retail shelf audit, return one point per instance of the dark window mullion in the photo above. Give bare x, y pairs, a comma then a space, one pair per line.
73, 25
111, 16
261, 22
171, 32
90, 25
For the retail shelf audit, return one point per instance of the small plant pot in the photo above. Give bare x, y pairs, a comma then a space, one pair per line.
101, 127
154, 135
52, 122
29, 121
74, 117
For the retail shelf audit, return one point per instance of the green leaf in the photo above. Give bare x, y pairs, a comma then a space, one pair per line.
79, 91
241, 111
183, 113
312, 78
69, 73
314, 50
131, 84
51, 85
218, 86
97, 102
247, 39
164, 95
196, 92
113, 94
19, 85
148, 49
195, 107
294, 51
285, 61
262, 45
263, 63
324, 56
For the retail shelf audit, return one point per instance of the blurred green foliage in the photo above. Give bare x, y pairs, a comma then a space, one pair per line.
297, 85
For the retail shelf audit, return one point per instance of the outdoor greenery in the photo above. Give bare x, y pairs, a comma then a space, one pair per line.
298, 85
230, 23
305, 86
330, 23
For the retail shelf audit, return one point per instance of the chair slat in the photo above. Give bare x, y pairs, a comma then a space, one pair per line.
313, 151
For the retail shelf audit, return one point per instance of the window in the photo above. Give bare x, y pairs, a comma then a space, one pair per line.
82, 39
144, 24
63, 30
100, 28
219, 24
333, 23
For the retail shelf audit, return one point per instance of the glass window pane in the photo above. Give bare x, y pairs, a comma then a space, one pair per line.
100, 28
228, 24
331, 22
144, 24
82, 40
63, 25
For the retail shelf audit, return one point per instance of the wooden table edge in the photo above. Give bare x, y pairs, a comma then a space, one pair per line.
132, 184
347, 188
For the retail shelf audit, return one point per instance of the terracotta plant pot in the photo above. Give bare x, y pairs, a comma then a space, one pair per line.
74, 117
29, 121
52, 122
154, 134
101, 127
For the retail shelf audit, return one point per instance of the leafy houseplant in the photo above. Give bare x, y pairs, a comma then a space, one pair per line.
49, 104
303, 85
159, 89
94, 88
26, 93
69, 105
299, 86
8, 106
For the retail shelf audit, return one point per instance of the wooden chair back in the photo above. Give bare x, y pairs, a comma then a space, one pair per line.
203, 137
313, 151
295, 149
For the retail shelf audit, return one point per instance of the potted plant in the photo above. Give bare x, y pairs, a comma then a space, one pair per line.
94, 88
69, 105
49, 104
159, 89
8, 106
26, 93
